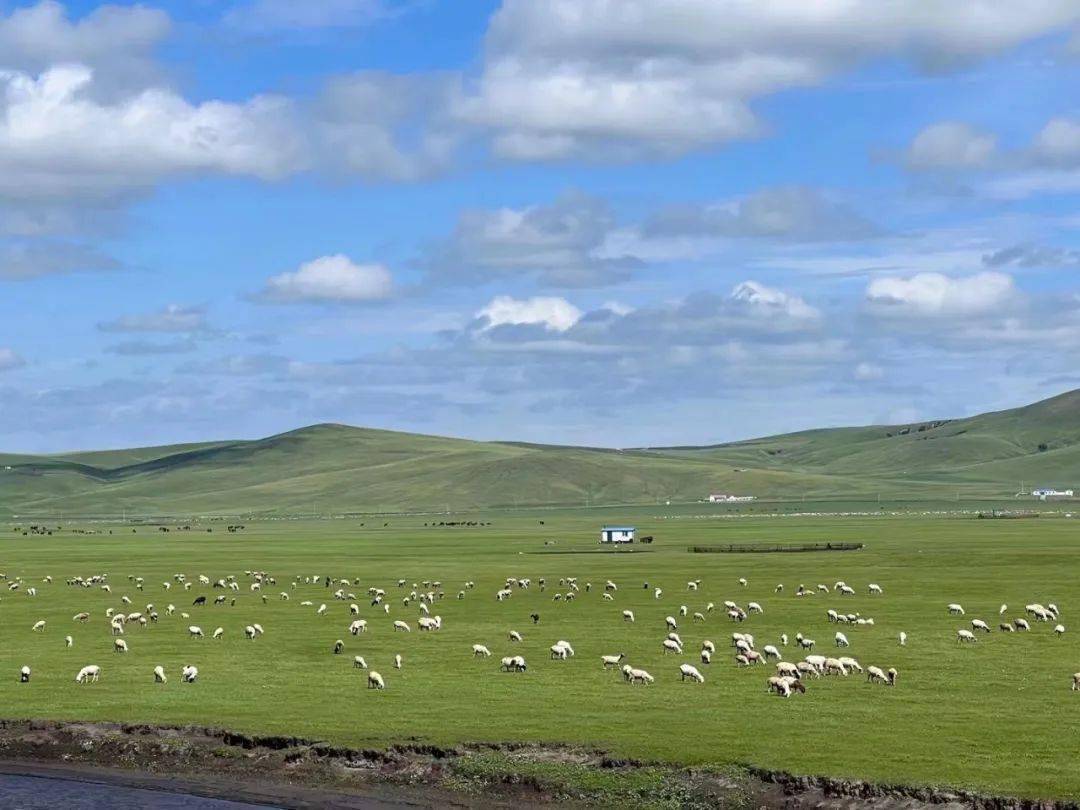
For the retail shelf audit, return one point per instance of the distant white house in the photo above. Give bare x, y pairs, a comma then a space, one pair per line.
617, 534
720, 497
1043, 494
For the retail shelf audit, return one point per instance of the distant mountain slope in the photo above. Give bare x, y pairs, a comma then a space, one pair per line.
335, 468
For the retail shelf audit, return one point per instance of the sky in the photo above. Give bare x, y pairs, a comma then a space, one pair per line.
599, 222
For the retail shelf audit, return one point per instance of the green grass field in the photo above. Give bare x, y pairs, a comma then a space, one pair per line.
992, 716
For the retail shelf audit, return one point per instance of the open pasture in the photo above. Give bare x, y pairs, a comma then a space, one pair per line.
996, 715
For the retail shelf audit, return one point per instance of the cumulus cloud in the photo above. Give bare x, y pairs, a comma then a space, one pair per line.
9, 359
951, 145
116, 41
558, 244
173, 318
329, 279
1058, 143
57, 141
930, 295
773, 302
554, 314
615, 78
793, 213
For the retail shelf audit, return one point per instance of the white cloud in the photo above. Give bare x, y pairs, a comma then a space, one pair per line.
951, 145
868, 372
115, 40
1058, 143
57, 141
330, 279
9, 359
938, 295
614, 78
554, 314
172, 319
770, 302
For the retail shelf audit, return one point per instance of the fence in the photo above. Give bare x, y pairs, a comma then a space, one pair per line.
772, 548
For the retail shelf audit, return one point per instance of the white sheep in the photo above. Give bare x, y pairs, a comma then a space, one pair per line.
956, 610
706, 657
1076, 682
873, 587
965, 636
159, 674
671, 623
397, 661
189, 674
771, 652
672, 646
786, 668
754, 607
1059, 629
219, 632
400, 625
628, 615
194, 631
513, 663
119, 645
612, 660
515, 635
358, 662
69, 641
708, 645
903, 638
39, 626
1021, 624
24, 675
88, 674
480, 651
691, 672
841, 640
633, 675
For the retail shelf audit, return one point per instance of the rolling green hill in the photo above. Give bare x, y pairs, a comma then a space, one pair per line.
340, 469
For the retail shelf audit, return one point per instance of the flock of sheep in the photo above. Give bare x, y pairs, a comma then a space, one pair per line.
790, 676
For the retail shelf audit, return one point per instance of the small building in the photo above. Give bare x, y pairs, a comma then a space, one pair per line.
617, 534
1043, 494
721, 497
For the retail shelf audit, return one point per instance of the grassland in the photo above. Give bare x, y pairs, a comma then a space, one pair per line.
989, 716
335, 469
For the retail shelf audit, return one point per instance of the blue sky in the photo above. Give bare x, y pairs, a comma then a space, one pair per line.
581, 221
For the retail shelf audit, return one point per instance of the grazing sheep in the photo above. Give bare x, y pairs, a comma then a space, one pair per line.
804, 643
876, 674
691, 672
628, 615
1005, 627
24, 675
1002, 609
39, 626
339, 645
513, 663
771, 652
708, 645
742, 581
873, 587
88, 674
189, 674
515, 635
788, 669
159, 674
979, 624
903, 639
120, 646
892, 675
480, 651
559, 652
633, 675
754, 607
841, 640
397, 661
835, 665
194, 631
69, 641
1021, 624
956, 610
670, 645
806, 668
81, 617
358, 662
1059, 629
612, 660
219, 632
400, 625
671, 623
706, 657
698, 617
1076, 682
963, 636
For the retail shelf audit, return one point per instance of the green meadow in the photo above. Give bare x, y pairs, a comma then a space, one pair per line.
995, 715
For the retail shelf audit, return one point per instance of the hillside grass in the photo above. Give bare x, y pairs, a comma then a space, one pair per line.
987, 716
